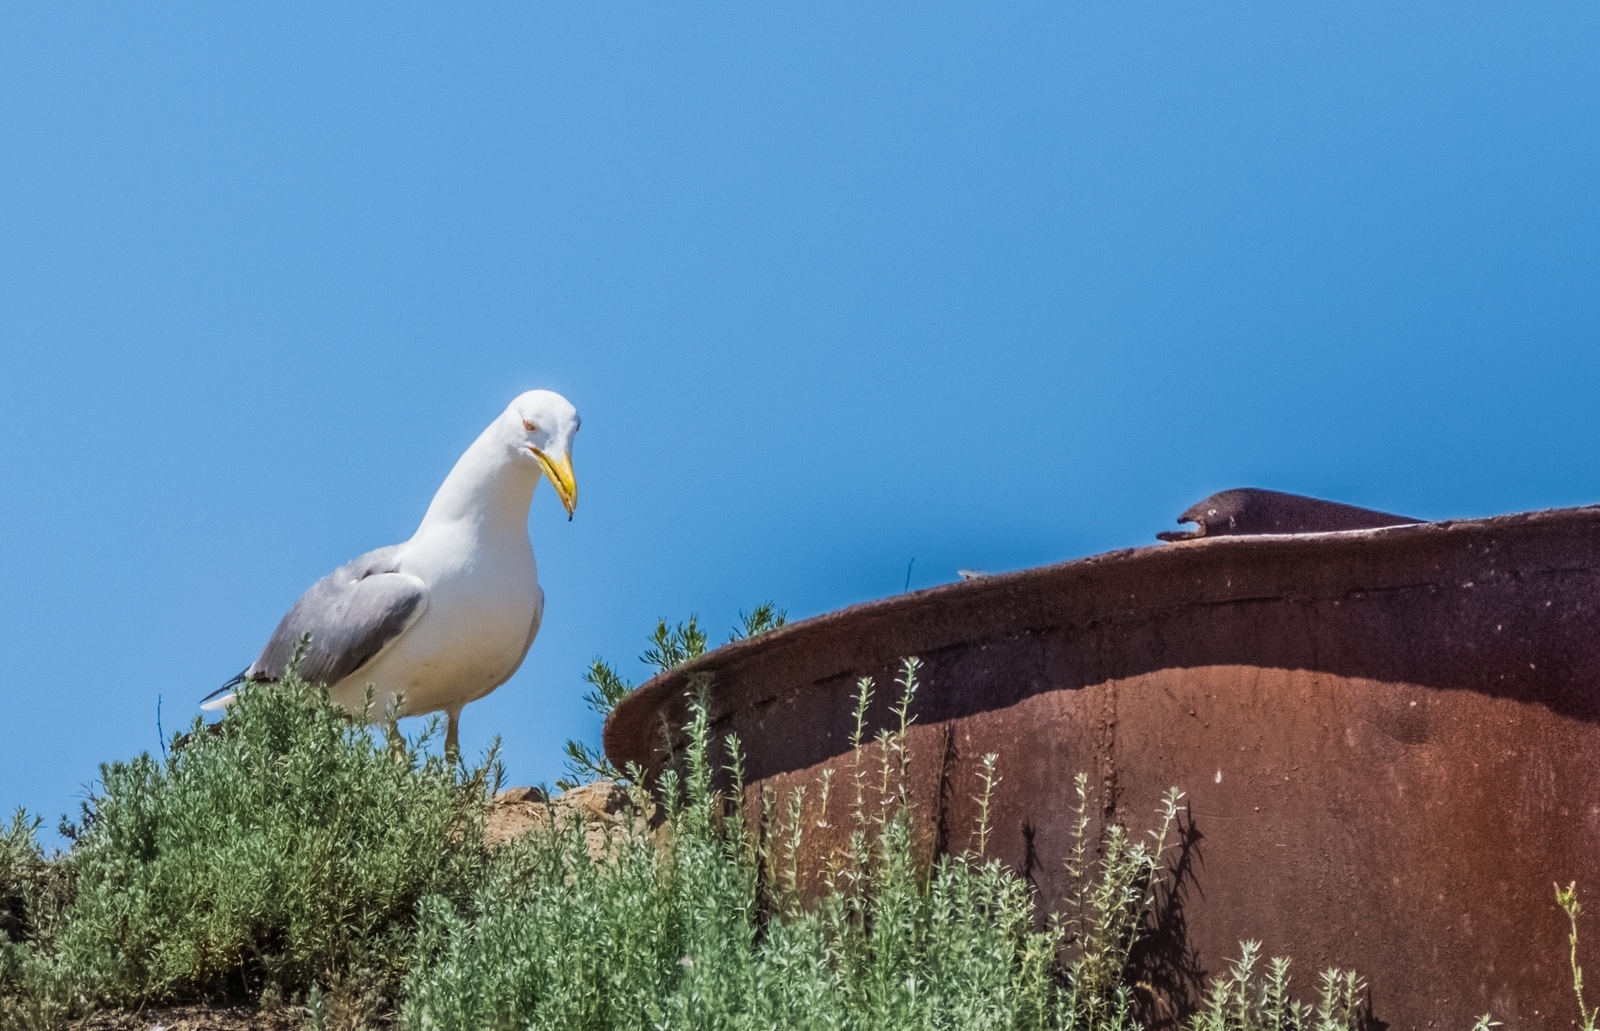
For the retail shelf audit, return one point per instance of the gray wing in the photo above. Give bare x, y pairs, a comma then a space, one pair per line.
351, 615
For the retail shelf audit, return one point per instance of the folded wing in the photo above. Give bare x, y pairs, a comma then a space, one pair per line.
351, 615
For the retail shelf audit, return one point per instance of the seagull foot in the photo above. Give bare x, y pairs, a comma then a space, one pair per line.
452, 735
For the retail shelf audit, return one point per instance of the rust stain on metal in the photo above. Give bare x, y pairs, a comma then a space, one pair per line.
1390, 740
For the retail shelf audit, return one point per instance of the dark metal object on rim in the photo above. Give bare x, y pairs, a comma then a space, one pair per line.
1390, 740
1250, 510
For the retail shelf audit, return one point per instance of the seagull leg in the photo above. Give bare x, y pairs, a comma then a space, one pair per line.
396, 740
452, 734
391, 723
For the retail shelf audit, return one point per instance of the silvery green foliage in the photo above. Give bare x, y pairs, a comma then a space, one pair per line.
670, 647
1245, 1000
703, 934
286, 847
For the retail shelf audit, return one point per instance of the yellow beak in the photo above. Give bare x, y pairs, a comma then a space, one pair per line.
561, 477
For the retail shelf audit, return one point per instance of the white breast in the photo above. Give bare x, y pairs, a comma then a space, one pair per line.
484, 605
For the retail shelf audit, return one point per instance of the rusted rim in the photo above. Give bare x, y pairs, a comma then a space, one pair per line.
632, 725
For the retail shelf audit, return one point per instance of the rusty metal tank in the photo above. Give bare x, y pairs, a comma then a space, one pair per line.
1389, 739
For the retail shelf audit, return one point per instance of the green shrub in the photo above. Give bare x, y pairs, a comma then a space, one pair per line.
1247, 1001
285, 848
709, 930
22, 873
25, 890
670, 646
676, 936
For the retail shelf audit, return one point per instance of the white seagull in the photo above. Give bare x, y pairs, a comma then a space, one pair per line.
448, 616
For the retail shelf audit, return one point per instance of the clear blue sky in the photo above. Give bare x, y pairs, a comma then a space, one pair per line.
834, 288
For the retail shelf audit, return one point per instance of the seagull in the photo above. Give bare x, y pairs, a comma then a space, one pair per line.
446, 617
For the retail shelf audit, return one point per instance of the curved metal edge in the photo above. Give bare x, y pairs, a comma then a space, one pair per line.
628, 729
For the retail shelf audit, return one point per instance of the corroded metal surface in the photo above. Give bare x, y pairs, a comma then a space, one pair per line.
1390, 741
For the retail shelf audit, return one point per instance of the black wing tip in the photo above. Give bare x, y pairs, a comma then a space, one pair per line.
229, 687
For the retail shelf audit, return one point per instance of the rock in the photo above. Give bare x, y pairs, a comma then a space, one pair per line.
598, 798
604, 806
510, 795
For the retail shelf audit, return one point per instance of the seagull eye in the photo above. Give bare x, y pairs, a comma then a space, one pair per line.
530, 426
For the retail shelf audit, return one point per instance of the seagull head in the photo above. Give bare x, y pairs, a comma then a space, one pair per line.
544, 424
